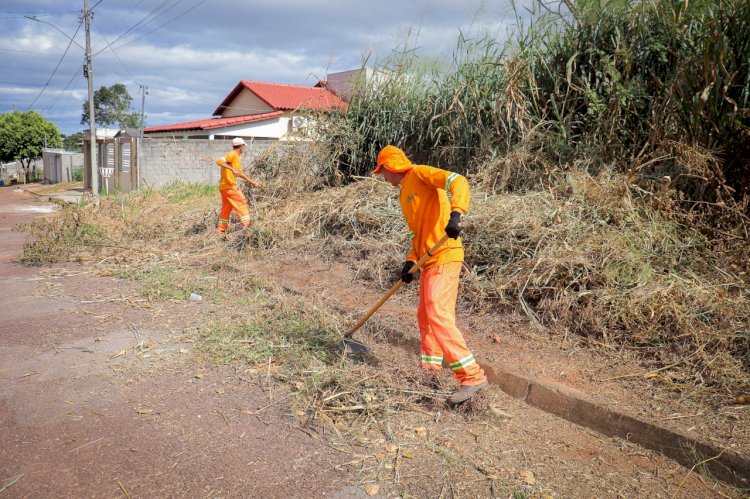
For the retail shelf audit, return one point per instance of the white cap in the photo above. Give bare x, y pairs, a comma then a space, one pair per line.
237, 141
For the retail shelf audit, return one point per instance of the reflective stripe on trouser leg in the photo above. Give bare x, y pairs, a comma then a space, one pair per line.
224, 213
232, 199
431, 356
438, 289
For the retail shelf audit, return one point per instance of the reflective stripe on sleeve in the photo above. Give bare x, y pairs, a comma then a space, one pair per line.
449, 180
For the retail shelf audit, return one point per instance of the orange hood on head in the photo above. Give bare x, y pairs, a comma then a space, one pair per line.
394, 160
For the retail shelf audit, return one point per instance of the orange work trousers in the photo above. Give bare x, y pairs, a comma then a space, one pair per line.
438, 290
232, 199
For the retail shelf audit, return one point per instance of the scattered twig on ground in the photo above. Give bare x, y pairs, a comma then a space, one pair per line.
84, 445
11, 482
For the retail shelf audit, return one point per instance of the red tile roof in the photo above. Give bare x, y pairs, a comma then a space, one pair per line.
286, 97
211, 123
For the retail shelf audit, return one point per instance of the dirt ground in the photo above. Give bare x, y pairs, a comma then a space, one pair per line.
101, 395
102, 399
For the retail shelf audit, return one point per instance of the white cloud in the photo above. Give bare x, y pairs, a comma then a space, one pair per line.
191, 64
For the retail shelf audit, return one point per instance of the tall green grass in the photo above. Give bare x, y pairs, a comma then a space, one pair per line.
629, 84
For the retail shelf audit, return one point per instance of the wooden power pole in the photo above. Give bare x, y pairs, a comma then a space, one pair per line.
92, 124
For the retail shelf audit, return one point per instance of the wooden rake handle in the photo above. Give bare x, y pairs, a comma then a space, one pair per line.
252, 182
396, 286
242, 176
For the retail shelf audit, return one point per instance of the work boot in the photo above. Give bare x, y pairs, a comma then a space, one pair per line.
465, 393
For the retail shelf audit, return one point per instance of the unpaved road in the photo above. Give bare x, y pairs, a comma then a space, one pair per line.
77, 419
101, 396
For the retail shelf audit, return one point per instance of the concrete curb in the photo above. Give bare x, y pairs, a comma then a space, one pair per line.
574, 406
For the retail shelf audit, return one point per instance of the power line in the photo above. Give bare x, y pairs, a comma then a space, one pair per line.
161, 26
134, 7
20, 51
168, 22
49, 12
49, 108
33, 13
109, 45
153, 11
56, 67
164, 11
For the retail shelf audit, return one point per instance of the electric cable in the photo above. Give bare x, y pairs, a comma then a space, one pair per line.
49, 108
161, 26
153, 11
56, 67
109, 45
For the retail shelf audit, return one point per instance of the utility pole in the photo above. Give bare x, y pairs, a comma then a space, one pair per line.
144, 91
92, 124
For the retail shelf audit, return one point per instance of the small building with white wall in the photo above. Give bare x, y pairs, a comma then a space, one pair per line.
60, 165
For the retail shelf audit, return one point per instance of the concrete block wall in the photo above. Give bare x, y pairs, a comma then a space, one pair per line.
193, 161
59, 165
14, 170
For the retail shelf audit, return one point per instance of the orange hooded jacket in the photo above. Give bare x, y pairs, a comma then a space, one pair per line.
426, 205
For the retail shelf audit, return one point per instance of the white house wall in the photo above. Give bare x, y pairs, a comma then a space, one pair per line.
245, 103
275, 128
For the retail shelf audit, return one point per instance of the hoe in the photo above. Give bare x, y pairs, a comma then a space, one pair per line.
352, 346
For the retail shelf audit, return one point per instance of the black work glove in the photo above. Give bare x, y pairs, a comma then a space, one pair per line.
453, 229
405, 275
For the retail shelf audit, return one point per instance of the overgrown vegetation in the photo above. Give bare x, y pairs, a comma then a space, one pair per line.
624, 84
657, 92
609, 188
626, 125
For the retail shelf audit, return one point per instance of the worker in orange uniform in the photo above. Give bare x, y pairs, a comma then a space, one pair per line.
232, 197
430, 214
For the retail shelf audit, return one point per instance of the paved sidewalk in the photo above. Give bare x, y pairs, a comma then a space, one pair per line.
72, 192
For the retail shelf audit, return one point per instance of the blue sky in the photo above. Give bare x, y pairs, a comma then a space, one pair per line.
191, 53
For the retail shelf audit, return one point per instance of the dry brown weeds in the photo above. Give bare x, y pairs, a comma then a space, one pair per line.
586, 256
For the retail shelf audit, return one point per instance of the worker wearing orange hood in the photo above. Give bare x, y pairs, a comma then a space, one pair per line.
430, 213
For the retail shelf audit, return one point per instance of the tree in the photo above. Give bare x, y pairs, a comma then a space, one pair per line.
112, 106
23, 134
132, 120
73, 142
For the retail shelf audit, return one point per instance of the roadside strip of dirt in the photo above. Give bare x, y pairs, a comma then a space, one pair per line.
549, 395
100, 395
102, 374
574, 406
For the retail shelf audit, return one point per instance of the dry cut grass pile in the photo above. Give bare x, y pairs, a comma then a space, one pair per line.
587, 256
165, 239
584, 257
